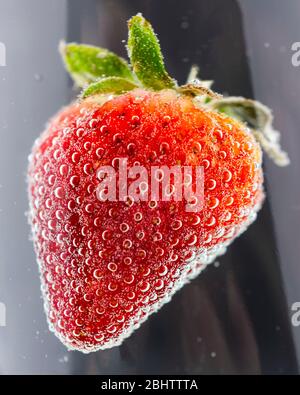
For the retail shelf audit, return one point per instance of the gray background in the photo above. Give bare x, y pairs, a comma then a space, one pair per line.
232, 319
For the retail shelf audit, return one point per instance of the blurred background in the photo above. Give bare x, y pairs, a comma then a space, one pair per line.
237, 316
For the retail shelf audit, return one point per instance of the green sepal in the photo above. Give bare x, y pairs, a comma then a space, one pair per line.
145, 55
197, 88
87, 63
259, 119
114, 85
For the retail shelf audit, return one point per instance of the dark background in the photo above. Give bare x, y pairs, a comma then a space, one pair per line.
234, 318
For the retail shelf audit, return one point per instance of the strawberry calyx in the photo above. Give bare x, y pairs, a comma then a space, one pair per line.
100, 72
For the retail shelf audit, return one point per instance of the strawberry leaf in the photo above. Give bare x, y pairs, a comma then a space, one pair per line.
259, 119
116, 85
145, 55
87, 63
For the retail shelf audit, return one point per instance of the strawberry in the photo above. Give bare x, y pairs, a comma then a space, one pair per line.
107, 265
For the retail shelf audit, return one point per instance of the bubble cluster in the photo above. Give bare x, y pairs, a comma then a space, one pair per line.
105, 266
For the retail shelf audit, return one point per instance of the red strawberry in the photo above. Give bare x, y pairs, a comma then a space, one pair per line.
106, 265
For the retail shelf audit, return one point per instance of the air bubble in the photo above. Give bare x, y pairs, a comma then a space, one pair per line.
153, 204
127, 261
89, 208
214, 202
147, 271
156, 221
140, 235
208, 239
192, 240
59, 214
218, 133
112, 267
157, 236
78, 322
114, 304
164, 148
99, 152
112, 287
211, 221
160, 251
87, 297
106, 235
196, 220
51, 179
41, 215
177, 224
79, 132
130, 148
87, 145
211, 184
131, 295
227, 176
117, 138
59, 192
227, 216
71, 205
206, 164
103, 128
127, 243
93, 123
74, 181
46, 169
56, 154
84, 230
88, 168
129, 308
99, 338
135, 119
64, 170
162, 270
138, 216
97, 221
75, 157
144, 286
142, 254
229, 201
97, 274
51, 224
88, 261
61, 324
222, 154
124, 227
101, 310
159, 284
111, 329
129, 279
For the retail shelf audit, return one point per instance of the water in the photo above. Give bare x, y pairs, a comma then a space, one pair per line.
236, 316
